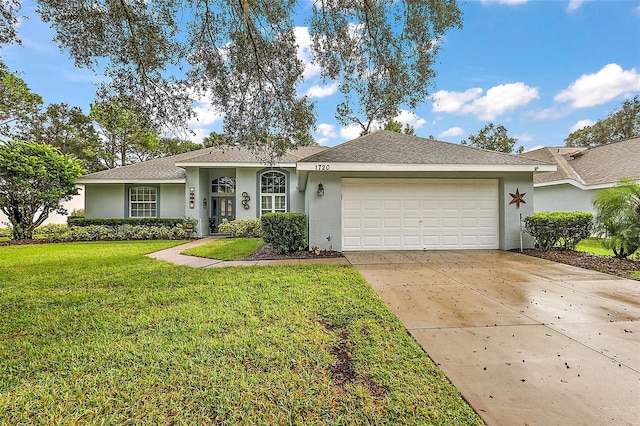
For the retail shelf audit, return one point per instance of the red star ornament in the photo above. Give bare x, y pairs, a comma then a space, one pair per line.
518, 198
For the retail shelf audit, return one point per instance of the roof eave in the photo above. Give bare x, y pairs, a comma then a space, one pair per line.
125, 180
205, 164
387, 167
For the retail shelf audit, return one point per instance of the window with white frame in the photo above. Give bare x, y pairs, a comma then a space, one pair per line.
273, 192
143, 201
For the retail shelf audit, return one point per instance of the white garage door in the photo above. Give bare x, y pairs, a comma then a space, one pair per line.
419, 214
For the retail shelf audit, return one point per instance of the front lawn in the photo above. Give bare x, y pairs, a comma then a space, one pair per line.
227, 248
594, 246
97, 333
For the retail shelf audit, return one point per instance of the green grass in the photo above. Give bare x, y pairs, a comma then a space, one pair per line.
227, 248
96, 333
594, 246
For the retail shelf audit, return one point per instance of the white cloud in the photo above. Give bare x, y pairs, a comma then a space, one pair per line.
452, 102
303, 39
637, 10
574, 5
451, 132
507, 2
199, 135
581, 124
206, 114
525, 138
599, 88
318, 91
327, 132
497, 100
350, 132
408, 117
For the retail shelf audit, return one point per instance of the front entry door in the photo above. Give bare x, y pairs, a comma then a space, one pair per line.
221, 208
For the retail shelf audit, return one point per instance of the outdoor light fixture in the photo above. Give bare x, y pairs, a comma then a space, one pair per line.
320, 190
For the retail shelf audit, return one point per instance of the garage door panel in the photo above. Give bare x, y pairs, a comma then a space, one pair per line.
414, 214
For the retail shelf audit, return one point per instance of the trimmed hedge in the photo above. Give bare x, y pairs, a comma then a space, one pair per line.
115, 223
286, 232
249, 228
559, 229
61, 233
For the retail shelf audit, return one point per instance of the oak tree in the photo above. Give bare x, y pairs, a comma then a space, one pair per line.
243, 55
621, 124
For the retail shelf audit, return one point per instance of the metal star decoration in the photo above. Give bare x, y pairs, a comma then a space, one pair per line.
518, 198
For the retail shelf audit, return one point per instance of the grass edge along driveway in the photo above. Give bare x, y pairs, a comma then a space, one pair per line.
97, 333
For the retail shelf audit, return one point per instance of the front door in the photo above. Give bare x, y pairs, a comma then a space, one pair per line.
221, 208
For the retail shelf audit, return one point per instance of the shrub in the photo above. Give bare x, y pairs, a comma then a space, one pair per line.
249, 228
53, 232
286, 232
618, 217
5, 232
564, 229
115, 223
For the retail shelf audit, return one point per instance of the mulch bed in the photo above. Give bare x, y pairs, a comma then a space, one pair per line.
607, 264
267, 252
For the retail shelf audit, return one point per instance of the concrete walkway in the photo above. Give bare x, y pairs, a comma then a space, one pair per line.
525, 340
174, 255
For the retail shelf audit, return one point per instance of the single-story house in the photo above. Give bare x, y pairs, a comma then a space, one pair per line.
381, 191
581, 173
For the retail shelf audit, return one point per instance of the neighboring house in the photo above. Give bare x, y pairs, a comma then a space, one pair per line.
76, 203
382, 191
581, 173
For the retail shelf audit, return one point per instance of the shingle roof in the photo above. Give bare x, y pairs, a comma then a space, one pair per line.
166, 169
243, 155
604, 164
386, 147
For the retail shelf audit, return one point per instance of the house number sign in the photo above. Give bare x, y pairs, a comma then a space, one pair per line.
323, 167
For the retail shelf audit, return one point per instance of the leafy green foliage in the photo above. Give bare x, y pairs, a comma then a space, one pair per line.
34, 181
244, 56
618, 217
226, 248
564, 229
396, 126
494, 138
19, 107
596, 246
60, 233
382, 53
249, 228
621, 124
125, 130
286, 232
98, 333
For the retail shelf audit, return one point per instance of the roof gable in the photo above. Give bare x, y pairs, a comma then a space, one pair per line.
601, 165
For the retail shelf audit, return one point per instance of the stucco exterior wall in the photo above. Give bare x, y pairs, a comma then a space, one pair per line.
511, 214
172, 200
325, 213
563, 198
105, 201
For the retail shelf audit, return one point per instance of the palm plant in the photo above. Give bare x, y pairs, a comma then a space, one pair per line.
618, 217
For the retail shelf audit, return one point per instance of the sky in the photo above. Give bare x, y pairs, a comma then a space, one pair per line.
541, 68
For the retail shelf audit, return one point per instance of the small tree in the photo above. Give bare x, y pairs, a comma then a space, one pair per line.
618, 217
34, 180
494, 138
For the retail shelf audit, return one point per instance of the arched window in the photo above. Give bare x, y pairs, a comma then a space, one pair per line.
273, 192
143, 201
223, 185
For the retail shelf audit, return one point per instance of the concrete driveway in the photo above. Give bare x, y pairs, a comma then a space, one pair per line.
525, 340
